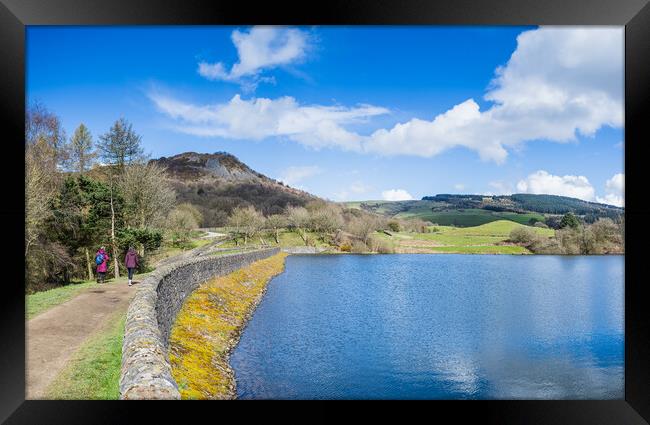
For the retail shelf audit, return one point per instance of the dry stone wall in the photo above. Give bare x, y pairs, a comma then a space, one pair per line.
146, 373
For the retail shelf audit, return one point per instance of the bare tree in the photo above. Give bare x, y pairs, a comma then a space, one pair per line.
81, 149
45, 136
299, 220
113, 240
148, 195
45, 153
180, 221
276, 222
246, 221
120, 145
39, 192
363, 227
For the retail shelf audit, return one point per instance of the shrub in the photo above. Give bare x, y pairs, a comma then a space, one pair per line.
358, 247
345, 247
522, 235
394, 225
540, 224
544, 245
384, 247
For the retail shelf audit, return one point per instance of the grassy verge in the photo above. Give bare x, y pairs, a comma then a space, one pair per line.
208, 327
41, 301
94, 371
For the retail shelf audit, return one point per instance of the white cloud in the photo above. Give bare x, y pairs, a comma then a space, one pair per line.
559, 81
258, 49
614, 191
259, 118
459, 186
295, 174
616, 183
396, 195
541, 182
354, 189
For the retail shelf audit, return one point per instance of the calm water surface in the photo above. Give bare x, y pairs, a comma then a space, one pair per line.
437, 326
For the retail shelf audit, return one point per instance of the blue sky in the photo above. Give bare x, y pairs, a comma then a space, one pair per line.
356, 113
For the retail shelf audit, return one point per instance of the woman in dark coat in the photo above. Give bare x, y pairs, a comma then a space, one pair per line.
131, 262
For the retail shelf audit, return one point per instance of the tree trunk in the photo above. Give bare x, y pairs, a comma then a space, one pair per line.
117, 264
277, 236
90, 265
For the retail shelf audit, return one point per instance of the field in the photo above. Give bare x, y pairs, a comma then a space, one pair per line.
469, 217
487, 238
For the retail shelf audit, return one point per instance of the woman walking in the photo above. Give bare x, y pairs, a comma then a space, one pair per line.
101, 259
131, 262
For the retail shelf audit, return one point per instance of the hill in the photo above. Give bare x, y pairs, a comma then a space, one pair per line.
217, 183
474, 210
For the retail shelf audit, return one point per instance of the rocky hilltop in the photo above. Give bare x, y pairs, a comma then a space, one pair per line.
219, 182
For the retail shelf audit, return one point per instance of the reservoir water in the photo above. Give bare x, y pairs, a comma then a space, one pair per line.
437, 327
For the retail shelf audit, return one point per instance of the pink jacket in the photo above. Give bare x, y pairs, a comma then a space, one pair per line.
103, 267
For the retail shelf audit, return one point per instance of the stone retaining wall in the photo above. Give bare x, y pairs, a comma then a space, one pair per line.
146, 373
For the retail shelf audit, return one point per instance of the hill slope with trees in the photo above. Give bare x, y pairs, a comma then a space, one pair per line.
218, 183
474, 210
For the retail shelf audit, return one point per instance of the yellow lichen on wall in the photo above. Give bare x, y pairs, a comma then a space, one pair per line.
208, 327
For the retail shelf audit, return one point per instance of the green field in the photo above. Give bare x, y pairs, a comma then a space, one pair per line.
465, 218
487, 238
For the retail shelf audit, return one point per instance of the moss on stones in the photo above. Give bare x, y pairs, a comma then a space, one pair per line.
208, 327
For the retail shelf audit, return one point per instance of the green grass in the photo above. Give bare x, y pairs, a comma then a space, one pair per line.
484, 239
93, 373
466, 218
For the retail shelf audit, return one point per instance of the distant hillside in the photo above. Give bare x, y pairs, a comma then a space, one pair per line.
219, 182
474, 210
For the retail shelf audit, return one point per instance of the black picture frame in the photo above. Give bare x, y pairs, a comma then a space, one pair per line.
634, 14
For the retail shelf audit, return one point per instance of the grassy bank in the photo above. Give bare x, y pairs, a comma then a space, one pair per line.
490, 238
208, 327
41, 301
94, 371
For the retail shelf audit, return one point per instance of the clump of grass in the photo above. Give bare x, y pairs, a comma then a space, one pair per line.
94, 371
208, 327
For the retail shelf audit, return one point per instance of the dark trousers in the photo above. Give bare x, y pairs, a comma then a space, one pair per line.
101, 276
130, 269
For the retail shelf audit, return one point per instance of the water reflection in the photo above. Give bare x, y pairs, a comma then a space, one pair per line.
438, 326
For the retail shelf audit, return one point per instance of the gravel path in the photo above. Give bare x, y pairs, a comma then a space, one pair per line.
54, 336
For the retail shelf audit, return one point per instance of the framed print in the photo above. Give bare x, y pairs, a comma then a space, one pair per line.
369, 201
